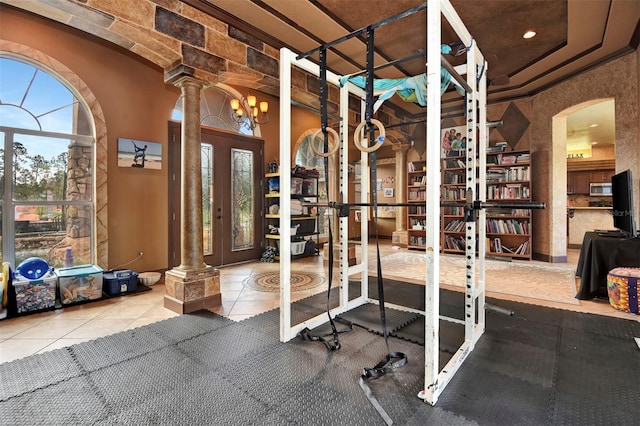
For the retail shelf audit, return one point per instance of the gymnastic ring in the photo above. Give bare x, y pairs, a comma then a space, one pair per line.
336, 144
359, 142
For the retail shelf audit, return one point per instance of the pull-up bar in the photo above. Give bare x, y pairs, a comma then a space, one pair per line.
365, 29
451, 70
422, 54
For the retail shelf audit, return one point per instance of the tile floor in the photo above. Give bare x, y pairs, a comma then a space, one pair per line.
40, 332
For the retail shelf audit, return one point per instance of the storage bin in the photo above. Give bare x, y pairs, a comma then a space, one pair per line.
36, 294
296, 186
118, 282
297, 247
80, 283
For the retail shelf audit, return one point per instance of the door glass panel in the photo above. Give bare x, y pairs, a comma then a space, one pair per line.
242, 206
206, 161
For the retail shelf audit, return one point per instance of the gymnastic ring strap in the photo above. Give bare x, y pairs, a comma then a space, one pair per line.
336, 143
389, 363
362, 144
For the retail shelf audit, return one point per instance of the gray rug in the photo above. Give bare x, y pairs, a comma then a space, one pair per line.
532, 280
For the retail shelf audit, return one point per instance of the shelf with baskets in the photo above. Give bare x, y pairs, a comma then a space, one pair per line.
304, 220
416, 214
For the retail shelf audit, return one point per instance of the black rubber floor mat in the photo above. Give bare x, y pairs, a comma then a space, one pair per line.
411, 296
451, 335
602, 325
541, 366
368, 317
491, 398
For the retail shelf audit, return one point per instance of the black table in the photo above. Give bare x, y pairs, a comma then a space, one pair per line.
600, 254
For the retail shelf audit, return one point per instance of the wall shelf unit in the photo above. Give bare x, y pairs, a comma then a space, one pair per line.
304, 220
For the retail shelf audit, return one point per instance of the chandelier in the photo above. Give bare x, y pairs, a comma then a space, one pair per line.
248, 112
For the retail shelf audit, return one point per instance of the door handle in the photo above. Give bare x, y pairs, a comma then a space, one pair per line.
218, 217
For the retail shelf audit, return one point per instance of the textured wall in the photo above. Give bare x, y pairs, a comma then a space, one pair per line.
618, 80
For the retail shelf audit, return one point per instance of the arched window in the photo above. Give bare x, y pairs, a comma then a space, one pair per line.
47, 171
215, 112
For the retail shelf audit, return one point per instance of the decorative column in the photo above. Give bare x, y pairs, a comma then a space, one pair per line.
193, 285
400, 235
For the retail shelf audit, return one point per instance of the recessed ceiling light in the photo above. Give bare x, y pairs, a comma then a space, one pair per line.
594, 143
529, 34
594, 125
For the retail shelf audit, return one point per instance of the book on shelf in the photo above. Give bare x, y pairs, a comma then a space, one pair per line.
455, 226
453, 163
452, 242
498, 147
508, 212
506, 249
507, 159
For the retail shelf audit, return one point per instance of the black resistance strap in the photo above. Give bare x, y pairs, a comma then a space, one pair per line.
305, 334
392, 360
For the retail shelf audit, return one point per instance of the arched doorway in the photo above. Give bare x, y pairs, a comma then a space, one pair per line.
584, 146
232, 169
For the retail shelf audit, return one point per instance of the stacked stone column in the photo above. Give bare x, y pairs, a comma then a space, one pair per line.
193, 285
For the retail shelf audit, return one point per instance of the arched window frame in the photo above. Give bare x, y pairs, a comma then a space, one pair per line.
96, 121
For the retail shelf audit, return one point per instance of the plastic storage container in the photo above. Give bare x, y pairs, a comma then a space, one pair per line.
296, 186
297, 247
80, 283
118, 282
35, 294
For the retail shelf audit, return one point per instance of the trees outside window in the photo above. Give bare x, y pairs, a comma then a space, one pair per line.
46, 167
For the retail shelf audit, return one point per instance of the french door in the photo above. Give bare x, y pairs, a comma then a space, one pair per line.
232, 172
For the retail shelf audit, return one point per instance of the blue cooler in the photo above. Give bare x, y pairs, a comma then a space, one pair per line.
118, 282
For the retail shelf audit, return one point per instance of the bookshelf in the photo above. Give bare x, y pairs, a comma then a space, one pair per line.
508, 179
416, 214
452, 218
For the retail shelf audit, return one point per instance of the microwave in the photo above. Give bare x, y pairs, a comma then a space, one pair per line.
600, 189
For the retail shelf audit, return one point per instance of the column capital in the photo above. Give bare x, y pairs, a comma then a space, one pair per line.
182, 75
400, 147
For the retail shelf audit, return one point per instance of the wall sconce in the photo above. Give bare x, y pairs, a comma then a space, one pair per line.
247, 111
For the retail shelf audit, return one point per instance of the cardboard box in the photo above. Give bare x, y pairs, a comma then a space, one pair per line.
80, 283
35, 295
118, 282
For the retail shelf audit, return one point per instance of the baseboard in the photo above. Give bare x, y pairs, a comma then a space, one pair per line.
548, 258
